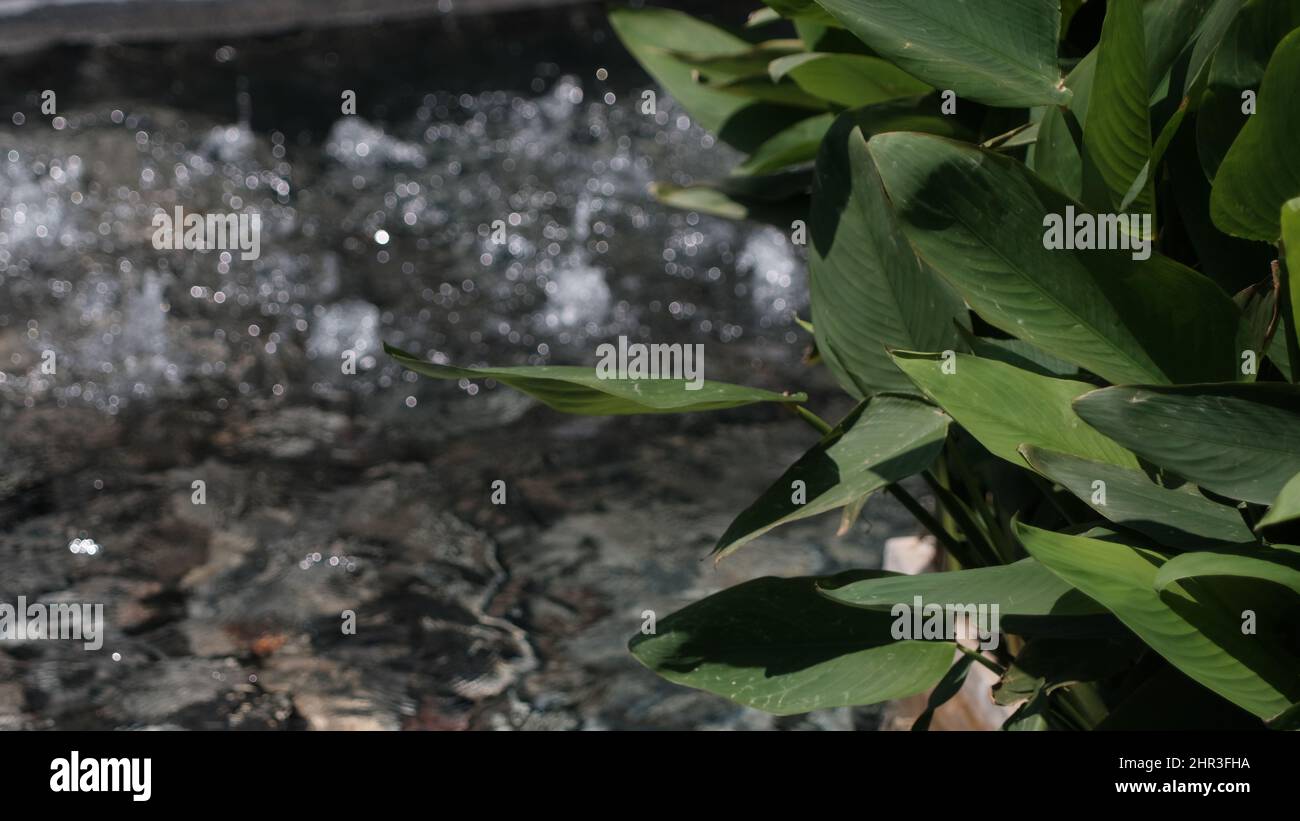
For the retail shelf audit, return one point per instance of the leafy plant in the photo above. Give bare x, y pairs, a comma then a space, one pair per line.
1112, 438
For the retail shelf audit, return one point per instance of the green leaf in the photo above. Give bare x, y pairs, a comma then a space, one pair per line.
997, 52
1238, 440
797, 144
884, 440
762, 88
1117, 132
1171, 26
1276, 566
1055, 156
869, 290
778, 198
734, 65
779, 646
1209, 36
1028, 596
1262, 169
762, 17
801, 141
1245, 49
1020, 354
979, 219
1178, 517
1004, 407
1284, 514
850, 80
1186, 624
1290, 221
579, 390
1239, 66
653, 35
1259, 313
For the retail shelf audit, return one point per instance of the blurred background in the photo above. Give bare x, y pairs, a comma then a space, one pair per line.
369, 492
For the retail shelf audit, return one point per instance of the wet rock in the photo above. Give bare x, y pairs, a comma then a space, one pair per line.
288, 434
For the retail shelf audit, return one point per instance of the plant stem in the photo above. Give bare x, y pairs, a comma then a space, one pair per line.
926, 519
821, 425
963, 520
1002, 542
982, 659
1045, 488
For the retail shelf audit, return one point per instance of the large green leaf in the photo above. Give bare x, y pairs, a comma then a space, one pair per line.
779, 646
1262, 169
886, 439
579, 390
979, 219
1238, 440
1179, 517
997, 52
654, 35
850, 80
1117, 132
1028, 595
1004, 407
1276, 566
869, 290
1187, 624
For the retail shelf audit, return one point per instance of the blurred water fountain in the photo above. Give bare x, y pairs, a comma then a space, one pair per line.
177, 366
